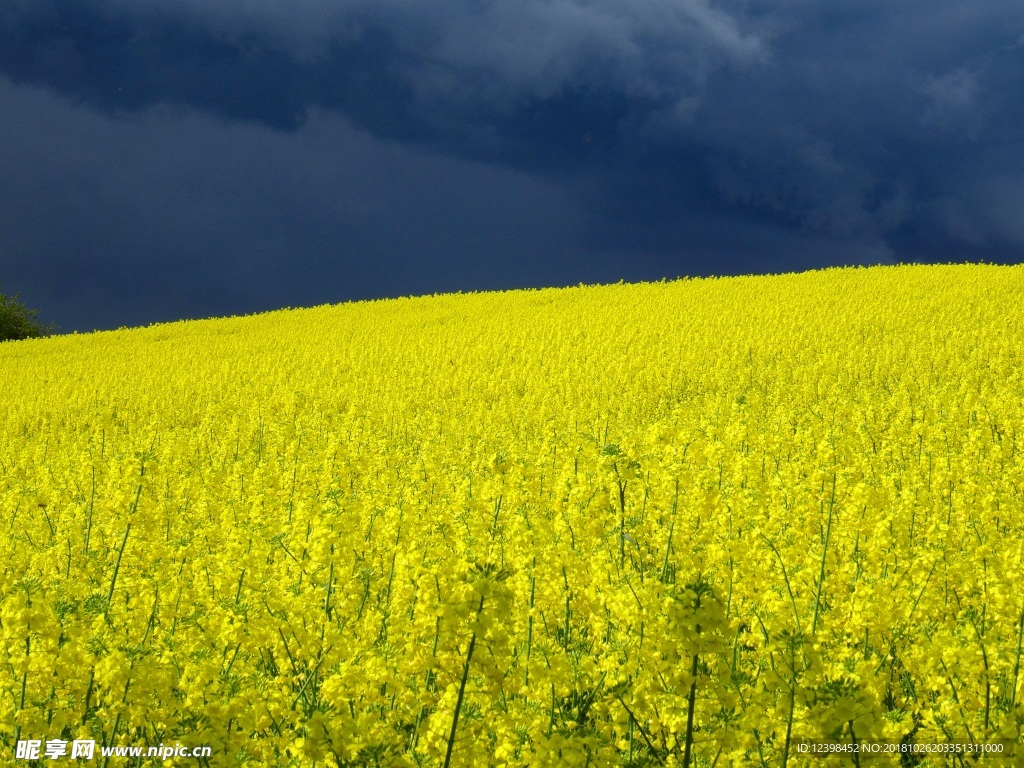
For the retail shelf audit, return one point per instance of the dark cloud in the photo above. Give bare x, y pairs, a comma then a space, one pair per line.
162, 216
638, 139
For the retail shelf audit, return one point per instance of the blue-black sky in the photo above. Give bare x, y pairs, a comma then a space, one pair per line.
163, 159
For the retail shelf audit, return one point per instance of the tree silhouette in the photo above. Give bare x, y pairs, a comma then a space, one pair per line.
19, 322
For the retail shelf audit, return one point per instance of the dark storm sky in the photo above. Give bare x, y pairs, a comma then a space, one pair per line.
162, 159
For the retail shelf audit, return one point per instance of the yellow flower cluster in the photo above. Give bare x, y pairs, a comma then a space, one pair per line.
691, 523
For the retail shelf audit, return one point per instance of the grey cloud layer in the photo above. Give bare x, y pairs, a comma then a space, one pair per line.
529, 45
896, 125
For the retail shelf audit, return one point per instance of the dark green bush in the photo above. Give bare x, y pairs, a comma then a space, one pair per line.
19, 322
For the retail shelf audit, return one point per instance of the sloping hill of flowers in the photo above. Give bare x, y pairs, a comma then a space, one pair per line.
704, 522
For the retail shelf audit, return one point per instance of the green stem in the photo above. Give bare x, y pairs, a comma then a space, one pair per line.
856, 742
671, 530
529, 629
690, 706
789, 588
462, 691
117, 564
330, 586
643, 732
24, 684
92, 503
824, 554
1016, 661
792, 702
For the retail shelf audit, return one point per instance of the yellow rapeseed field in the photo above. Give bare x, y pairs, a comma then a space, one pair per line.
713, 522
